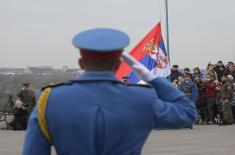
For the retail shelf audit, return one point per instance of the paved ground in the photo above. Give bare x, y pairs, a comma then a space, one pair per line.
203, 140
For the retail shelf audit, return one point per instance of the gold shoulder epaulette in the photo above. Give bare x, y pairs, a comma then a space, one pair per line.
42, 103
52, 85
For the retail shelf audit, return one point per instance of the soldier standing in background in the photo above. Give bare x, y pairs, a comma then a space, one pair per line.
225, 97
188, 87
27, 96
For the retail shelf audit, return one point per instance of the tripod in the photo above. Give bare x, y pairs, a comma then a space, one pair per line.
3, 113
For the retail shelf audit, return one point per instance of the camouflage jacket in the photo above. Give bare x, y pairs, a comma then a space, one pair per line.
226, 91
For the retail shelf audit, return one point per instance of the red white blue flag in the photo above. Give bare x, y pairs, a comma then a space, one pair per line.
151, 52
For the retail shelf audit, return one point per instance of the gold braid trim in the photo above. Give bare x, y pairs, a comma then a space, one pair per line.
42, 103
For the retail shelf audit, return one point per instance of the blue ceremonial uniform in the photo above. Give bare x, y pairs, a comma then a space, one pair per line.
97, 114
190, 89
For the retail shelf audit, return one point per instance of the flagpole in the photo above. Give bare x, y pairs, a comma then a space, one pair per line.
167, 30
233, 55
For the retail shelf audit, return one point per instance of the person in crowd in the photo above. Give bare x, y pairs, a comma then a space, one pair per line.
20, 119
230, 78
198, 77
225, 98
219, 69
210, 70
188, 87
27, 96
176, 83
197, 74
230, 71
180, 79
209, 99
186, 69
175, 73
229, 64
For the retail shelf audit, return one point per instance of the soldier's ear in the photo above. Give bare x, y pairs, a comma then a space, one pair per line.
81, 63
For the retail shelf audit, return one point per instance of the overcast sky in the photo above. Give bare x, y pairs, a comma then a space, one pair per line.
39, 33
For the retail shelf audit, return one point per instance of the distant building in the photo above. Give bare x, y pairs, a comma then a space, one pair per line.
73, 70
11, 71
39, 70
42, 70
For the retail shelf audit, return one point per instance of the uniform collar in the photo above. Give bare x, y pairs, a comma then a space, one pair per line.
97, 76
189, 81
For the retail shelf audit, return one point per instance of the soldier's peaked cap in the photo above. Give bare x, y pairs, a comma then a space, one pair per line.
101, 40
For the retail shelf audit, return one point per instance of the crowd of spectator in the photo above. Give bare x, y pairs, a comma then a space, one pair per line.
212, 90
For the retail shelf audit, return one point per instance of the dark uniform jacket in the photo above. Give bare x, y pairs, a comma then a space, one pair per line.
226, 91
225, 98
28, 98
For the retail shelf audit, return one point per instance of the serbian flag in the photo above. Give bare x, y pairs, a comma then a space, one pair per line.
151, 53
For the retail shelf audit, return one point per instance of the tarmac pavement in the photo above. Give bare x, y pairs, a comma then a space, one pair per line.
202, 140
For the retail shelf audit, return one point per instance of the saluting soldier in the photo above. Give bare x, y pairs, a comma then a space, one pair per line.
188, 87
96, 114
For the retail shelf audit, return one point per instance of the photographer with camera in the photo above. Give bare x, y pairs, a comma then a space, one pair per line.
23, 107
20, 119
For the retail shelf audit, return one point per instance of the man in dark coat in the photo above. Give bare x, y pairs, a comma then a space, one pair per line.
175, 73
219, 69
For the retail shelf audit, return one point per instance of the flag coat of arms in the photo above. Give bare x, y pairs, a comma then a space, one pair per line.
151, 52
